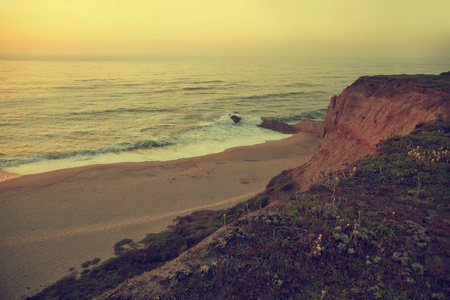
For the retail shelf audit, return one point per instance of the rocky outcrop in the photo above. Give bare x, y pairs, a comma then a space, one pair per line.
235, 117
307, 125
370, 110
278, 126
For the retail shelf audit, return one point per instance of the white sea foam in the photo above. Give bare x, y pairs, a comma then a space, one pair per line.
207, 138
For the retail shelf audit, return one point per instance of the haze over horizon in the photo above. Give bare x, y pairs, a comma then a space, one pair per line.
58, 29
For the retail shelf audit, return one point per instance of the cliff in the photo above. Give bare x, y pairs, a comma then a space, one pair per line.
370, 110
376, 229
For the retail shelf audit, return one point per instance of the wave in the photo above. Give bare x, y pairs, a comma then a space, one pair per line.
77, 87
106, 82
130, 84
163, 91
197, 88
86, 154
97, 84
219, 130
315, 116
301, 84
211, 136
267, 96
226, 121
278, 95
92, 79
124, 110
145, 90
208, 81
205, 85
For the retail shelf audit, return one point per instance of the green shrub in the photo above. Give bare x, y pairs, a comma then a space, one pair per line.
123, 242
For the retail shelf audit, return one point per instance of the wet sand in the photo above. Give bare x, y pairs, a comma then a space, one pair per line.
53, 221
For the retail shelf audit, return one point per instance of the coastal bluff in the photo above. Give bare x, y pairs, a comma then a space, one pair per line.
268, 252
368, 111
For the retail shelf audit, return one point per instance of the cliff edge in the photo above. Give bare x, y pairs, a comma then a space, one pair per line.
368, 111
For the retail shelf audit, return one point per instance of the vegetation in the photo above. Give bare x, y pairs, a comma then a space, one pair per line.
154, 250
87, 264
377, 230
426, 81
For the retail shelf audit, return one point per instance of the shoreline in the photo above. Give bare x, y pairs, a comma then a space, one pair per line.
271, 150
50, 222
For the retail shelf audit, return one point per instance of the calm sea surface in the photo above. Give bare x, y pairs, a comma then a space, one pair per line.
59, 114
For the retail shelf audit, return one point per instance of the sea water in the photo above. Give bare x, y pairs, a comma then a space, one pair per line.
60, 114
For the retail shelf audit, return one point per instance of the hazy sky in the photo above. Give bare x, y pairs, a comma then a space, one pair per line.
226, 27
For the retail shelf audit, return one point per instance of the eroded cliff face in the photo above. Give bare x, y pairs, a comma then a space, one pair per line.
370, 110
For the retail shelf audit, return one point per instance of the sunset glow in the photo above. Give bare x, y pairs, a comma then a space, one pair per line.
140, 27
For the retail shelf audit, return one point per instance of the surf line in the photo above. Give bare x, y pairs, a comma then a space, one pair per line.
110, 225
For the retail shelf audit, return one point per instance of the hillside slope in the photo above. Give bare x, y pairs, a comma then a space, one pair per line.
378, 229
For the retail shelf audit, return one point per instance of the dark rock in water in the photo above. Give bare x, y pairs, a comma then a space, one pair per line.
278, 126
235, 119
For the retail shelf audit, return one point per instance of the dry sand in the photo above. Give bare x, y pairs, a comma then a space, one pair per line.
53, 221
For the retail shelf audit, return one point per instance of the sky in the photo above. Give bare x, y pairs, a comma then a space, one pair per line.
138, 28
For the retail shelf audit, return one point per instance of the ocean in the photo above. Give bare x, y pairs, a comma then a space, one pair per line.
61, 114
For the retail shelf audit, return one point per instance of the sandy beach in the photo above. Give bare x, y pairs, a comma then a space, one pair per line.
53, 221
